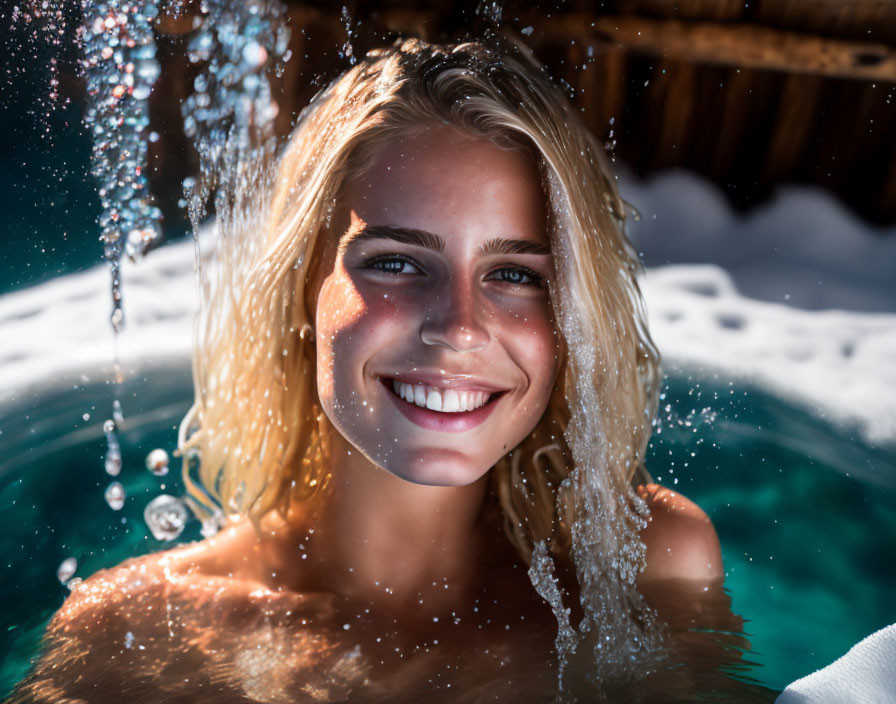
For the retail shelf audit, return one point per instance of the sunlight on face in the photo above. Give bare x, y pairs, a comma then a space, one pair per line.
436, 290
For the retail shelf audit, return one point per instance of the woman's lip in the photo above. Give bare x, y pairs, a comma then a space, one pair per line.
436, 420
442, 380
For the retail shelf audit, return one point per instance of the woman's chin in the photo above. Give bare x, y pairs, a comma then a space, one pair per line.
437, 468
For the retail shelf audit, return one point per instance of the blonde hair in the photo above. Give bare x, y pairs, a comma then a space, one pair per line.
256, 423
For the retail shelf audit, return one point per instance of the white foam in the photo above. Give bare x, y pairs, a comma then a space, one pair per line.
802, 246
60, 329
840, 364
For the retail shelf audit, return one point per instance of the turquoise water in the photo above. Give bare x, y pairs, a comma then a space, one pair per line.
805, 511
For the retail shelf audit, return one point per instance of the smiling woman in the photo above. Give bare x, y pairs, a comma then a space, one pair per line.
427, 301
423, 388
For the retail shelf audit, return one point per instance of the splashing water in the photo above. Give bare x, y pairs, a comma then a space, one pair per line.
541, 574
231, 110
212, 524
117, 414
606, 546
492, 10
120, 68
113, 450
119, 64
229, 114
347, 50
230, 119
166, 517
46, 22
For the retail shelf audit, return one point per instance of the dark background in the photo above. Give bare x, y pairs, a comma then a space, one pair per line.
749, 95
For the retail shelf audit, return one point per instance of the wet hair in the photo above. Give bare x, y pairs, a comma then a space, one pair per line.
257, 424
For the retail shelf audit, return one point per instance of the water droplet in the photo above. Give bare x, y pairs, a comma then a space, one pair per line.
254, 54
157, 462
212, 524
117, 414
117, 319
112, 463
67, 569
115, 496
166, 517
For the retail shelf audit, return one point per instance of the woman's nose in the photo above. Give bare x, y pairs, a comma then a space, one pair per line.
455, 320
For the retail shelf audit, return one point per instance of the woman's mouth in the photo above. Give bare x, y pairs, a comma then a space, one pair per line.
441, 399
438, 408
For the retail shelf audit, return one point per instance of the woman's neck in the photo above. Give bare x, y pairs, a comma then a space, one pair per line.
373, 536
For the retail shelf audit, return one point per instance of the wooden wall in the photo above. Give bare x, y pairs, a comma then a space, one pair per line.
750, 94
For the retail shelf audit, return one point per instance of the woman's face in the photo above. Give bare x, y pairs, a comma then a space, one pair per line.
436, 349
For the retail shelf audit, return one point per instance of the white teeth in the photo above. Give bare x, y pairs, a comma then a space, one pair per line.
450, 401
436, 399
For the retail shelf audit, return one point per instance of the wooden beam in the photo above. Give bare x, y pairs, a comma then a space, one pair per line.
747, 46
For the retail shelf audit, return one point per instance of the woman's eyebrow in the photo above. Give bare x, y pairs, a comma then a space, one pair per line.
421, 238
502, 245
405, 235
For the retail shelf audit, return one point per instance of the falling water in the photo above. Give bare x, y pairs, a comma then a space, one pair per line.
229, 115
120, 69
118, 59
347, 50
165, 516
231, 111
541, 574
157, 462
67, 569
606, 546
49, 24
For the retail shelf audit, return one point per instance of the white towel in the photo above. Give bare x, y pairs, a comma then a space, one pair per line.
866, 674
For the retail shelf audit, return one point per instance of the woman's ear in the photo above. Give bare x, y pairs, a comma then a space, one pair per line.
307, 333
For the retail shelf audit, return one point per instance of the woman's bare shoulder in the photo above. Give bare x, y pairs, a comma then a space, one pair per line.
680, 538
140, 584
105, 622
126, 622
93, 602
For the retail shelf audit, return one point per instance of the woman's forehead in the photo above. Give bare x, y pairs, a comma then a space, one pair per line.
441, 175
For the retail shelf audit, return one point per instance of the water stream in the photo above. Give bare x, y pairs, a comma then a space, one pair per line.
229, 113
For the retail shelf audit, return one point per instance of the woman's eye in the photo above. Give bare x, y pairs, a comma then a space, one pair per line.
518, 276
393, 265
402, 266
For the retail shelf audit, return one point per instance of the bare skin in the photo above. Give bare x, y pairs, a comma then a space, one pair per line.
397, 582
215, 621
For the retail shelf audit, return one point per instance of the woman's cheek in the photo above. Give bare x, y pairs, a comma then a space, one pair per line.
389, 306
531, 335
340, 310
